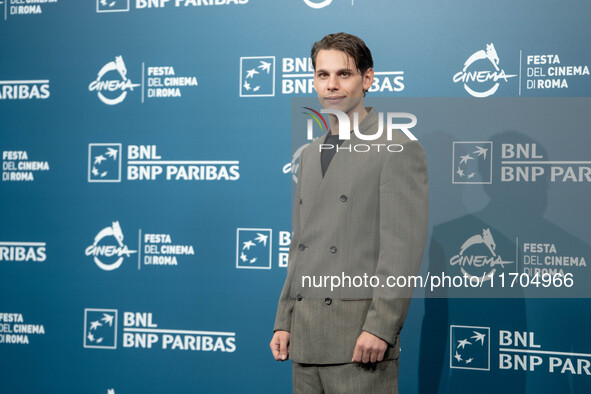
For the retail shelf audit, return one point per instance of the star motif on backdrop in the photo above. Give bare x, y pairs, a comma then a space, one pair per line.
479, 152
259, 239
251, 74
99, 159
478, 337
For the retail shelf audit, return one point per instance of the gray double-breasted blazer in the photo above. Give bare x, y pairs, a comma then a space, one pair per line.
367, 217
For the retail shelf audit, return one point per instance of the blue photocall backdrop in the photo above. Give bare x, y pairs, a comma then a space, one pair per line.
145, 142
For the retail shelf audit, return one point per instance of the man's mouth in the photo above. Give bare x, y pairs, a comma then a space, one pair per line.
334, 99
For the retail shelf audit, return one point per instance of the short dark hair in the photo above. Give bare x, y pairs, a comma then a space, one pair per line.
348, 43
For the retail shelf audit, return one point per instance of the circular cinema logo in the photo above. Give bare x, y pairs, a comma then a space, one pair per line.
112, 84
317, 5
481, 73
479, 256
108, 249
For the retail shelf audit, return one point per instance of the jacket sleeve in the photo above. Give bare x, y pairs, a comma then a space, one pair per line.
286, 300
404, 214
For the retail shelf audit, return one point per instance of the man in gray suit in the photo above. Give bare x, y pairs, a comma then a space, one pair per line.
357, 214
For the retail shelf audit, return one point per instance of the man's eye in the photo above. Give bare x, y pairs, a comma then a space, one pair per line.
345, 74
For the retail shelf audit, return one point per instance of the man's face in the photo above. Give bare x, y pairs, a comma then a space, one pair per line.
338, 82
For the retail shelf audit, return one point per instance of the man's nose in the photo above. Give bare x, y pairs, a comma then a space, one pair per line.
333, 82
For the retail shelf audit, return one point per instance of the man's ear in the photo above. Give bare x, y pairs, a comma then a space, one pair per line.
368, 79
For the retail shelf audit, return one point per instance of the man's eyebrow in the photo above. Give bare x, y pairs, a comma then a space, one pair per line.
338, 71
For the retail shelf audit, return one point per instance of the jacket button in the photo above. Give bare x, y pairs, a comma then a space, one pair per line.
333, 249
300, 201
301, 246
327, 301
344, 198
299, 297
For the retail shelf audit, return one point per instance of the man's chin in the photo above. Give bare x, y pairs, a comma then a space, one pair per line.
340, 108
344, 104
341, 104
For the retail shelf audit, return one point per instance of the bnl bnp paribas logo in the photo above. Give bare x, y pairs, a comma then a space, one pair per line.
257, 77
254, 248
112, 5
104, 162
518, 162
123, 5
481, 74
139, 330
108, 250
469, 347
144, 163
100, 328
37, 89
518, 351
472, 162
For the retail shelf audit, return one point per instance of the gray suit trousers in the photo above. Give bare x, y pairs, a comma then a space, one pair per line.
353, 378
